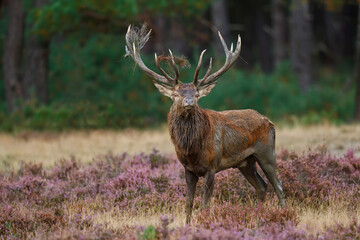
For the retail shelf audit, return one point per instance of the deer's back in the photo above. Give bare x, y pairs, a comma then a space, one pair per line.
249, 122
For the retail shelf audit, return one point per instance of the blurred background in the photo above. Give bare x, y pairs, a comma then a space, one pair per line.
62, 64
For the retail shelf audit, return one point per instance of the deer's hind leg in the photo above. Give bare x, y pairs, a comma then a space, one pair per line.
250, 173
267, 161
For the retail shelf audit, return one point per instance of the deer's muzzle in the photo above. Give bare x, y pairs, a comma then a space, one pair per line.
188, 103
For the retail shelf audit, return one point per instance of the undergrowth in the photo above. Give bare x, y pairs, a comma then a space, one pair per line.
73, 200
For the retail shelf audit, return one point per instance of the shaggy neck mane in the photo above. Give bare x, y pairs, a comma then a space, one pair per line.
188, 132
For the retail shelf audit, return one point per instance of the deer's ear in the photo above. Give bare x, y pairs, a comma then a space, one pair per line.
164, 90
204, 91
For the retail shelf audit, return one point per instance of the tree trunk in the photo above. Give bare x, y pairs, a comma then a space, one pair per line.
12, 54
300, 38
279, 30
333, 34
35, 80
357, 71
178, 36
349, 29
160, 36
220, 18
264, 41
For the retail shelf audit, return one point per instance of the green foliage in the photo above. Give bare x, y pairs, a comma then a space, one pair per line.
104, 15
149, 233
92, 86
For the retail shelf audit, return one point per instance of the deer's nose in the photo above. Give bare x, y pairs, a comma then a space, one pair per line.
188, 102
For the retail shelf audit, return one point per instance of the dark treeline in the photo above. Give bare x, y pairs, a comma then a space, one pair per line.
308, 34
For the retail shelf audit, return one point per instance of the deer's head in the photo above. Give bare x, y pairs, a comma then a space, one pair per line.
184, 95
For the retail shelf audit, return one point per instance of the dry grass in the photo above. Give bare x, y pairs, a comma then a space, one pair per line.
47, 148
325, 138
318, 219
312, 219
116, 219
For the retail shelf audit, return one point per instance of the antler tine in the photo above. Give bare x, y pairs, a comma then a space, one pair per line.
238, 45
127, 42
177, 73
162, 70
145, 39
196, 76
223, 42
213, 77
134, 42
209, 69
231, 57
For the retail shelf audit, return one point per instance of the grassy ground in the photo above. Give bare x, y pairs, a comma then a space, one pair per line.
99, 191
47, 148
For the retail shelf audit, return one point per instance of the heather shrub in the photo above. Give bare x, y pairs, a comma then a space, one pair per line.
65, 168
31, 169
271, 231
314, 176
67, 201
231, 186
250, 216
81, 222
156, 159
73, 233
26, 188
18, 221
341, 232
161, 183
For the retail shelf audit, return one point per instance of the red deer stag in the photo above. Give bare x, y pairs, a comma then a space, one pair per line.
207, 141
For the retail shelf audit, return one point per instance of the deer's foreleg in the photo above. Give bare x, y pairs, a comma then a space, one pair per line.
191, 180
208, 188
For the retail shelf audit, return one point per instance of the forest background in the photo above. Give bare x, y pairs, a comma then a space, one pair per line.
62, 64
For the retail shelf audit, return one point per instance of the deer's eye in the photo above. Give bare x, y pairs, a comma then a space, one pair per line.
175, 95
197, 95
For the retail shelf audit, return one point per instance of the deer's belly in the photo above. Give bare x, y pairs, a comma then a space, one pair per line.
199, 171
234, 160
226, 163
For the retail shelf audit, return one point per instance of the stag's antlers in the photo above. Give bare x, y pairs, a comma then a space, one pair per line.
231, 57
135, 40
